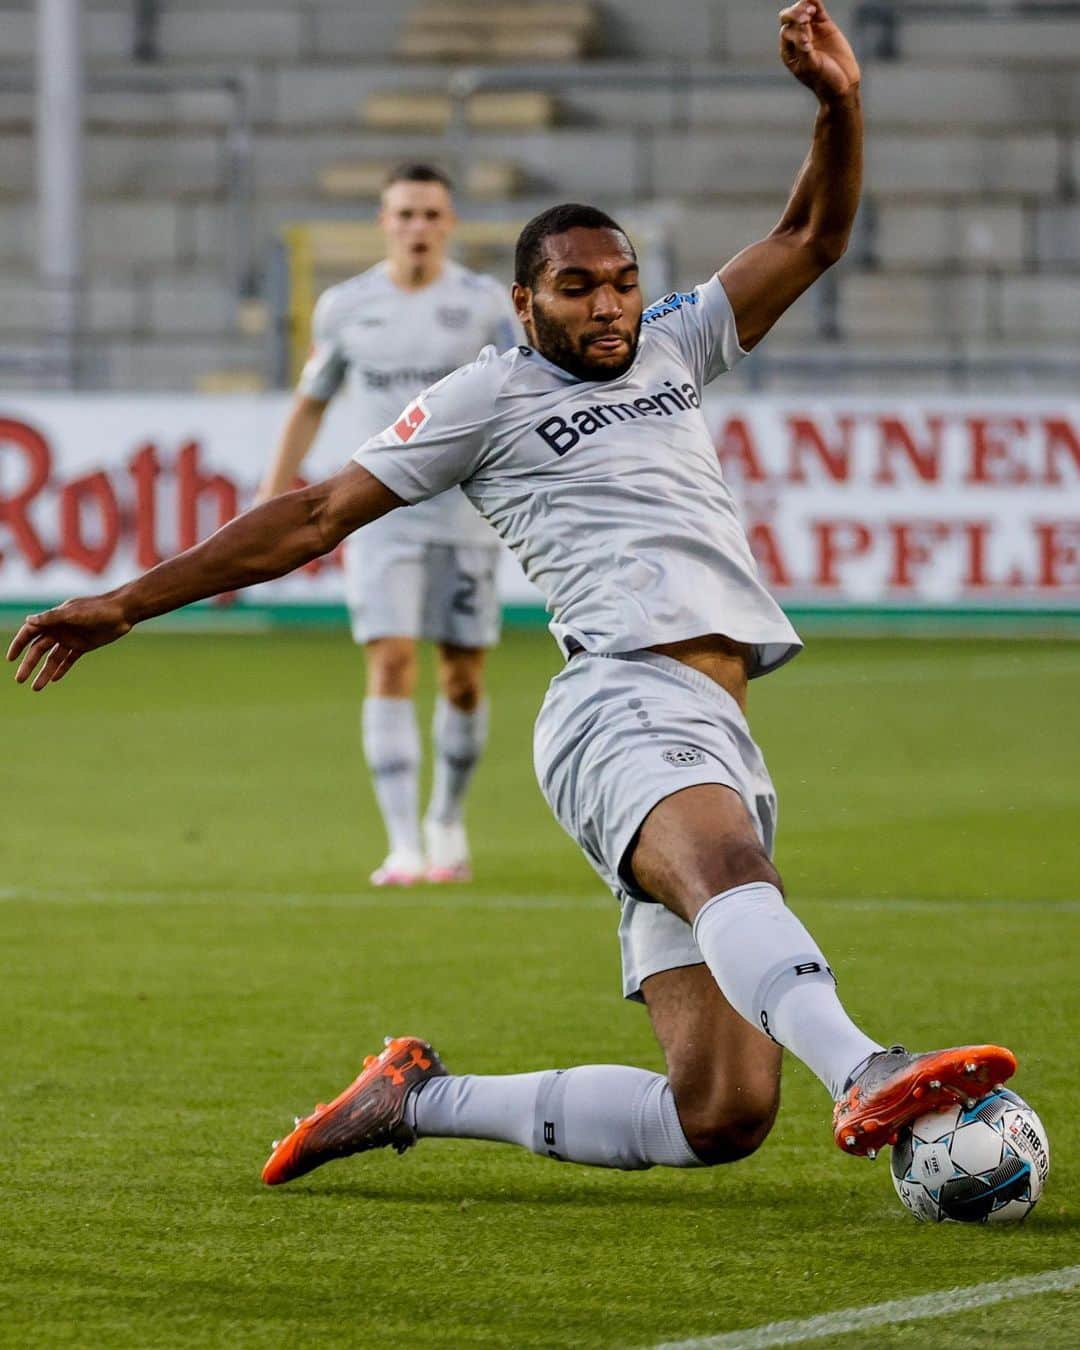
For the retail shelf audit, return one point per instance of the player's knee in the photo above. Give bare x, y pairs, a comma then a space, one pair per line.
729, 1141
392, 671
729, 864
463, 691
687, 885
725, 1119
461, 681
739, 863
730, 1130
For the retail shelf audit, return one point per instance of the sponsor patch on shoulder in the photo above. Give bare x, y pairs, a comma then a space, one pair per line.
411, 420
670, 304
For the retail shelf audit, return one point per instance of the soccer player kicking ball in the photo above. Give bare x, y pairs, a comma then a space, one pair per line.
588, 452
428, 572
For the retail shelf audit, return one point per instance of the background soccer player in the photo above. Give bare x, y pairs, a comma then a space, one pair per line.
590, 454
428, 572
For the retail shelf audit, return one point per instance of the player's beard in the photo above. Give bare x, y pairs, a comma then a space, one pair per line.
556, 344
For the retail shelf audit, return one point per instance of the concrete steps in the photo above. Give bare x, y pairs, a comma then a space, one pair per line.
269, 30
873, 304
364, 180
1012, 232
994, 38
130, 301
569, 160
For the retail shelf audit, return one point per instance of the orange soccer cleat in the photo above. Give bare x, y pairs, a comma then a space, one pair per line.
895, 1087
370, 1113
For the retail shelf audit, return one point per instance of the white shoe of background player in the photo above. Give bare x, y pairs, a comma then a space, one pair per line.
401, 868
447, 852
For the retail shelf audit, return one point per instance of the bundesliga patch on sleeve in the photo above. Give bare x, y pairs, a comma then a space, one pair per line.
411, 420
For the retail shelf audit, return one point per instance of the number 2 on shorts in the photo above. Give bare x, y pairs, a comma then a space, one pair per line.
464, 597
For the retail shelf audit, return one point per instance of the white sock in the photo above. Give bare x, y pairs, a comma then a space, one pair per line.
392, 750
606, 1115
772, 972
459, 739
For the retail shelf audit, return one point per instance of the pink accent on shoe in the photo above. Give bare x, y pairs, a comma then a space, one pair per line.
442, 876
395, 876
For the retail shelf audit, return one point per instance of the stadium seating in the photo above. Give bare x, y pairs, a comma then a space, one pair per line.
448, 30
363, 180
501, 110
970, 232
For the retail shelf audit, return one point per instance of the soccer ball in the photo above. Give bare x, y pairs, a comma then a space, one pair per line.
985, 1163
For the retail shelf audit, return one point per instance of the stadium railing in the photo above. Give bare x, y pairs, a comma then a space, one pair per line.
314, 253
311, 254
238, 144
77, 363
680, 81
677, 79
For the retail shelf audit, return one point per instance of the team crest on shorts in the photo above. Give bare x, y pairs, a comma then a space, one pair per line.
684, 757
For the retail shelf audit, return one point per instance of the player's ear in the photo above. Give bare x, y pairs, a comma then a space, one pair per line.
522, 300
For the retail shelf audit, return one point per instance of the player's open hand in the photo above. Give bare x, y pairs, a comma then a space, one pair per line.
816, 52
56, 639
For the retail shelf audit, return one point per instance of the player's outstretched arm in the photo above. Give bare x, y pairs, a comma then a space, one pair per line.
259, 545
765, 279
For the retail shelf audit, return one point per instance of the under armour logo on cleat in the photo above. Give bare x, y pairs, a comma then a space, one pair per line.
417, 1060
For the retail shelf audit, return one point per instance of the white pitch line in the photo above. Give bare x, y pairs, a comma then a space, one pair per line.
944, 1304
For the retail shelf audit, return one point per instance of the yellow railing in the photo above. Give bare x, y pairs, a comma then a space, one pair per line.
321, 252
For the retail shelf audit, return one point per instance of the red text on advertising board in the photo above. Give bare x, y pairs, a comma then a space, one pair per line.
887, 449
150, 504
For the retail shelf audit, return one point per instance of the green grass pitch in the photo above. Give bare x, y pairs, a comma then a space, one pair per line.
192, 955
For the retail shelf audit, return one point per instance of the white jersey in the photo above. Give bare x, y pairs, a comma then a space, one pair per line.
610, 493
385, 344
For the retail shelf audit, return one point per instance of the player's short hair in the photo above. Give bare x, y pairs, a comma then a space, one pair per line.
411, 172
529, 252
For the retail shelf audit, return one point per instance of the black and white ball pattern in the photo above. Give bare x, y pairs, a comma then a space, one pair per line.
982, 1164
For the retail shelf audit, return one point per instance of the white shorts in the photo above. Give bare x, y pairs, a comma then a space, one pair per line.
615, 736
442, 592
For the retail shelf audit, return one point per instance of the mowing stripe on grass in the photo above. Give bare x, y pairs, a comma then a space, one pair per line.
392, 897
918, 1309
423, 896
900, 671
